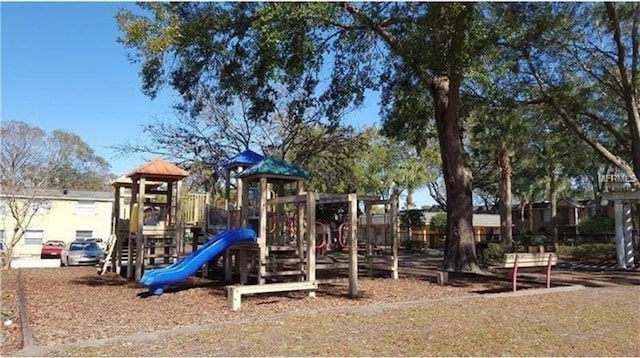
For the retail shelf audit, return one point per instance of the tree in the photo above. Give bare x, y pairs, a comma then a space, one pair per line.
583, 61
498, 136
32, 159
253, 48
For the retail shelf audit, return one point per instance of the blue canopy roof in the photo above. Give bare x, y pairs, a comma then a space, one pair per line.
248, 157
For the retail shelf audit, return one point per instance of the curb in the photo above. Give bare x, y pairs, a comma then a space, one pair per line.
534, 291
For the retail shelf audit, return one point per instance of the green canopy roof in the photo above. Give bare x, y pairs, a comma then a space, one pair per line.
271, 166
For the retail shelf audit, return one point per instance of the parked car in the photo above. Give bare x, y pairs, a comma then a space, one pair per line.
81, 253
52, 248
97, 240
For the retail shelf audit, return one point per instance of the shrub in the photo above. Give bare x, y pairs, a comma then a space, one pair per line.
494, 254
597, 225
438, 221
566, 250
600, 252
595, 252
412, 218
415, 245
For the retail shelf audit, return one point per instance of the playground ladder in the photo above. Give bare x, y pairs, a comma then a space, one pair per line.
111, 244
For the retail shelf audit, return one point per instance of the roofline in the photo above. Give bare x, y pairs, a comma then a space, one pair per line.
271, 176
61, 197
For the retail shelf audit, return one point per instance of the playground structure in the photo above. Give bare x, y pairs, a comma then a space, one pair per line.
270, 199
152, 220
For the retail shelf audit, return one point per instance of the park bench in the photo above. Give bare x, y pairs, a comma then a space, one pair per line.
516, 261
235, 292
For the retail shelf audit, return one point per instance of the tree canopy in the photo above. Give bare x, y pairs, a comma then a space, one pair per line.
436, 65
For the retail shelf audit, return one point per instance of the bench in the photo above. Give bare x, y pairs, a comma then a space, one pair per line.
520, 260
235, 292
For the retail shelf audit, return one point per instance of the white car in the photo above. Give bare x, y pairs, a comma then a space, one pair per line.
101, 244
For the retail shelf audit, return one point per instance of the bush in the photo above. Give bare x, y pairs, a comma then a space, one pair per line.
412, 218
600, 252
494, 254
415, 245
597, 225
566, 250
531, 238
438, 221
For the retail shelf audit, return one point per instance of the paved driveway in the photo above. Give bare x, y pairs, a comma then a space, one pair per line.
30, 262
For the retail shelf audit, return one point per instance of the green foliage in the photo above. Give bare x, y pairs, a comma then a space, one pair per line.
530, 238
493, 254
412, 218
597, 225
415, 245
438, 221
596, 252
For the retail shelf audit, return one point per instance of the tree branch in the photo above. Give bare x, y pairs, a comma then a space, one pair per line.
391, 40
624, 142
617, 37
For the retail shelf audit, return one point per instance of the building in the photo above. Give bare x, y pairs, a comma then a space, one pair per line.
60, 215
536, 217
485, 226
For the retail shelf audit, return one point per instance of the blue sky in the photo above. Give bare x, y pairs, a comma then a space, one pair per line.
62, 68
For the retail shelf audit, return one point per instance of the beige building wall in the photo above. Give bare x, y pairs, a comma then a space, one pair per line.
61, 219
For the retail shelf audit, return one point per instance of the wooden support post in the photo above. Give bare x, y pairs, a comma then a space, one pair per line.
442, 277
242, 259
262, 238
395, 236
300, 231
353, 245
226, 259
178, 217
227, 195
549, 264
280, 216
116, 257
311, 239
243, 203
204, 220
515, 274
139, 232
131, 235
370, 233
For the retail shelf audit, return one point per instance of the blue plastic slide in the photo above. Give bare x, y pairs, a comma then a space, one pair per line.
187, 266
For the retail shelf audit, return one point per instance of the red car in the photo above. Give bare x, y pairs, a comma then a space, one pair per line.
52, 248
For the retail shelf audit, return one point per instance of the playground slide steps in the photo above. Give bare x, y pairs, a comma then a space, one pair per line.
285, 260
284, 273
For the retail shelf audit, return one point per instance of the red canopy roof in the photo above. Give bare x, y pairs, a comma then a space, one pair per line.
159, 168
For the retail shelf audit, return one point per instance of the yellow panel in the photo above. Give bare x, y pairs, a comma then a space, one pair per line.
133, 222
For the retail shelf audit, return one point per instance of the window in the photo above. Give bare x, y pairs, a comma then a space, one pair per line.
85, 208
1, 235
83, 234
546, 215
33, 237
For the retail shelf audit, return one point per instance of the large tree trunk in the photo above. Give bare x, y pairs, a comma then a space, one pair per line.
460, 253
505, 199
